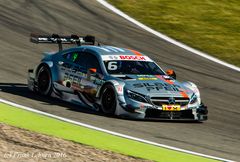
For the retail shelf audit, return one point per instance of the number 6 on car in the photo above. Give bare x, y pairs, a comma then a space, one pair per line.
112, 65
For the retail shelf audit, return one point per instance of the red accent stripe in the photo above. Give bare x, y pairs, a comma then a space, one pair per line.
136, 52
168, 81
184, 94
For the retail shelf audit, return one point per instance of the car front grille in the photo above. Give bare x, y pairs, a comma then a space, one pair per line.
159, 114
159, 101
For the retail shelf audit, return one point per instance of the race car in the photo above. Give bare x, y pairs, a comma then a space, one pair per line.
114, 80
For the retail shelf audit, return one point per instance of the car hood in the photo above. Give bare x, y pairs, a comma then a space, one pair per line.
155, 85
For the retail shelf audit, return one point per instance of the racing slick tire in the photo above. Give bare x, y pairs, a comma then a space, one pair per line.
44, 80
108, 100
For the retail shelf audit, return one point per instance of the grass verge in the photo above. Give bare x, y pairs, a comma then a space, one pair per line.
49, 126
211, 26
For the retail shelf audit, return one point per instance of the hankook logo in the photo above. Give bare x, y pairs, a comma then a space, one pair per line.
171, 100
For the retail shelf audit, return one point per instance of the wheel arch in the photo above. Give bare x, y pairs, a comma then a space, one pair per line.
99, 94
192, 86
115, 84
106, 107
48, 64
45, 66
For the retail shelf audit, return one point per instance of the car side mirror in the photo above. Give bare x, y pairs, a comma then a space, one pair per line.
91, 72
171, 73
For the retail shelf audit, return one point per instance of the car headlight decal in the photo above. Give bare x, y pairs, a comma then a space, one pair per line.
193, 99
136, 96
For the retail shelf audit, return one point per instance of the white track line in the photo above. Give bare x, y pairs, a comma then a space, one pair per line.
162, 36
111, 132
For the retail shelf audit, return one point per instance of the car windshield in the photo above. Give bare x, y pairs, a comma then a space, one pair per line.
132, 67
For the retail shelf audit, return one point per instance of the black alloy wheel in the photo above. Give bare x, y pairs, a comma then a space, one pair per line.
108, 100
44, 81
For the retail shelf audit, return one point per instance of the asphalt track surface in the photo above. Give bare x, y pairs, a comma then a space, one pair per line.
219, 85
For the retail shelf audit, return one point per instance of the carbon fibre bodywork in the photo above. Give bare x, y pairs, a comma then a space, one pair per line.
76, 78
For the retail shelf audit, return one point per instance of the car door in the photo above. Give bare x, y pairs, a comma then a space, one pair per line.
69, 71
93, 76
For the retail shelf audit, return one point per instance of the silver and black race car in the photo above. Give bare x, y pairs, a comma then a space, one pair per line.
116, 81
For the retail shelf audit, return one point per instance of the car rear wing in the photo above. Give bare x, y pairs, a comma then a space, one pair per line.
57, 39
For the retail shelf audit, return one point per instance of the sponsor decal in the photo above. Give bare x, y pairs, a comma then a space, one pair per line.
142, 107
165, 78
126, 57
75, 55
144, 75
171, 107
147, 78
73, 78
119, 89
157, 86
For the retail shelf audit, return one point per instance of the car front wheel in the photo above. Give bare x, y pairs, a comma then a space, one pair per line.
108, 100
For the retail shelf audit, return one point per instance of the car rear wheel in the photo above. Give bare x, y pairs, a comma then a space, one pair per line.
44, 80
108, 100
